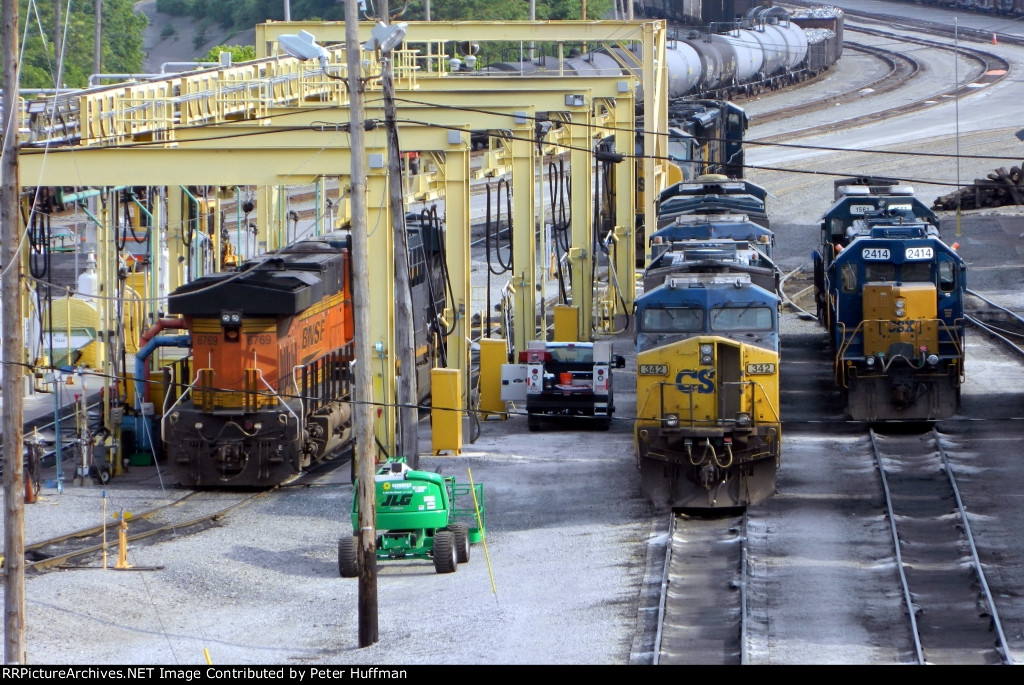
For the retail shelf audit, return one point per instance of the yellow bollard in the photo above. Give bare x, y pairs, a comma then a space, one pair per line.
122, 543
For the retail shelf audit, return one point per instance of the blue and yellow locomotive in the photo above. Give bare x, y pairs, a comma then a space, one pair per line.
708, 432
890, 294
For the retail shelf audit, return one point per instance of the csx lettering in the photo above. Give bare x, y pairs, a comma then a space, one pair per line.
903, 326
396, 500
311, 334
703, 381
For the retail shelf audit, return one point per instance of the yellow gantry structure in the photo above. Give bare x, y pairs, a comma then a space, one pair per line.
278, 121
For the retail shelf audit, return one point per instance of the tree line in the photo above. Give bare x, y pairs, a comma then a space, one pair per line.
59, 51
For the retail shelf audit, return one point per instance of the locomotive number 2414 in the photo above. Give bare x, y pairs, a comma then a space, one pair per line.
875, 253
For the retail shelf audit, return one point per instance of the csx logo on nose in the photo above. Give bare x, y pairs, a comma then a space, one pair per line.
702, 381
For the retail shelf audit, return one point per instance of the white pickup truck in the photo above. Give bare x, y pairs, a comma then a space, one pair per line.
563, 379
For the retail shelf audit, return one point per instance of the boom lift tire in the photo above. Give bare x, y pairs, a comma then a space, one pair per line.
462, 546
445, 559
348, 556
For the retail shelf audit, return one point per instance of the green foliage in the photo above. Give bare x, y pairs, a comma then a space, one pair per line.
239, 53
244, 14
121, 51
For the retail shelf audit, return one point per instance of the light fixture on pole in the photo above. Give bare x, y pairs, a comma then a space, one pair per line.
386, 38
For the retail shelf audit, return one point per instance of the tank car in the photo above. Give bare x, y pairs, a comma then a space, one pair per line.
763, 48
708, 433
891, 297
272, 349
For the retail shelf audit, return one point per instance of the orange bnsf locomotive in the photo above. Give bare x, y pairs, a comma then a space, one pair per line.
272, 349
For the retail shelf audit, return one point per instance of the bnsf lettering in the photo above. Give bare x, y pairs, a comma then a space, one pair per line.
312, 334
258, 339
396, 500
703, 381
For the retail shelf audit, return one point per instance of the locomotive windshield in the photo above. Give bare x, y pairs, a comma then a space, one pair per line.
672, 320
749, 318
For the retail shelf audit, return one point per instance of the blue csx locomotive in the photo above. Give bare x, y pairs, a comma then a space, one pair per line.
890, 294
708, 432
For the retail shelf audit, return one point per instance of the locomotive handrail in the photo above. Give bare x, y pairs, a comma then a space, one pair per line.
953, 339
721, 421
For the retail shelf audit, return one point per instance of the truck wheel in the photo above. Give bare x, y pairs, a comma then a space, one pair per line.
461, 533
445, 560
348, 556
604, 424
533, 422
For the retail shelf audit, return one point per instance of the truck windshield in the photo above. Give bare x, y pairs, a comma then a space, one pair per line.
572, 354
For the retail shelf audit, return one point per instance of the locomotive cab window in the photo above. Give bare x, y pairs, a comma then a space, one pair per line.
885, 273
672, 320
947, 277
747, 318
849, 278
916, 272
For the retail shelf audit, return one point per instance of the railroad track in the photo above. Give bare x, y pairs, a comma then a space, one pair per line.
996, 321
953, 615
702, 617
97, 545
902, 67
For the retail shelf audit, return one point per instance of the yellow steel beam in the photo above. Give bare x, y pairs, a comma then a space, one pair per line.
333, 32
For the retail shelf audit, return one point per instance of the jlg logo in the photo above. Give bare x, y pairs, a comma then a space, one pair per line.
396, 500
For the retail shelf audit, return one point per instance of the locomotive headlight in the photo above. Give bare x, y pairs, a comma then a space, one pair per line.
671, 420
870, 361
229, 318
933, 359
900, 311
743, 419
707, 356
901, 306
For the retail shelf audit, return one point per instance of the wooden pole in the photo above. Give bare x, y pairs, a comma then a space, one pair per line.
363, 391
12, 350
97, 55
405, 339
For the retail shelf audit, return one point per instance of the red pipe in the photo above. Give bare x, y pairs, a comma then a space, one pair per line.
161, 324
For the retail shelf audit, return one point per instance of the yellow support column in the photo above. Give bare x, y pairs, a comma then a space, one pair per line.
581, 260
446, 412
493, 353
524, 231
381, 289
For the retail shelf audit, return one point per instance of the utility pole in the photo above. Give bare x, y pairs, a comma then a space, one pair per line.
405, 341
12, 350
363, 391
58, 40
97, 55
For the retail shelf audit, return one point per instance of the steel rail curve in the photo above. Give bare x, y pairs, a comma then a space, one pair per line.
81, 538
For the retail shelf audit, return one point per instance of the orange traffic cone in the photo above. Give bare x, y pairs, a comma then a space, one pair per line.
995, 41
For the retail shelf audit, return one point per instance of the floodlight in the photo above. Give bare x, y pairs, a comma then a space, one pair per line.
303, 46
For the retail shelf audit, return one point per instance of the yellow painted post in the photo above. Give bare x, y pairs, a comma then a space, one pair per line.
446, 412
493, 353
567, 327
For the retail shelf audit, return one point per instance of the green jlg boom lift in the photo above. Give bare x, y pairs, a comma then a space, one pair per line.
418, 518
